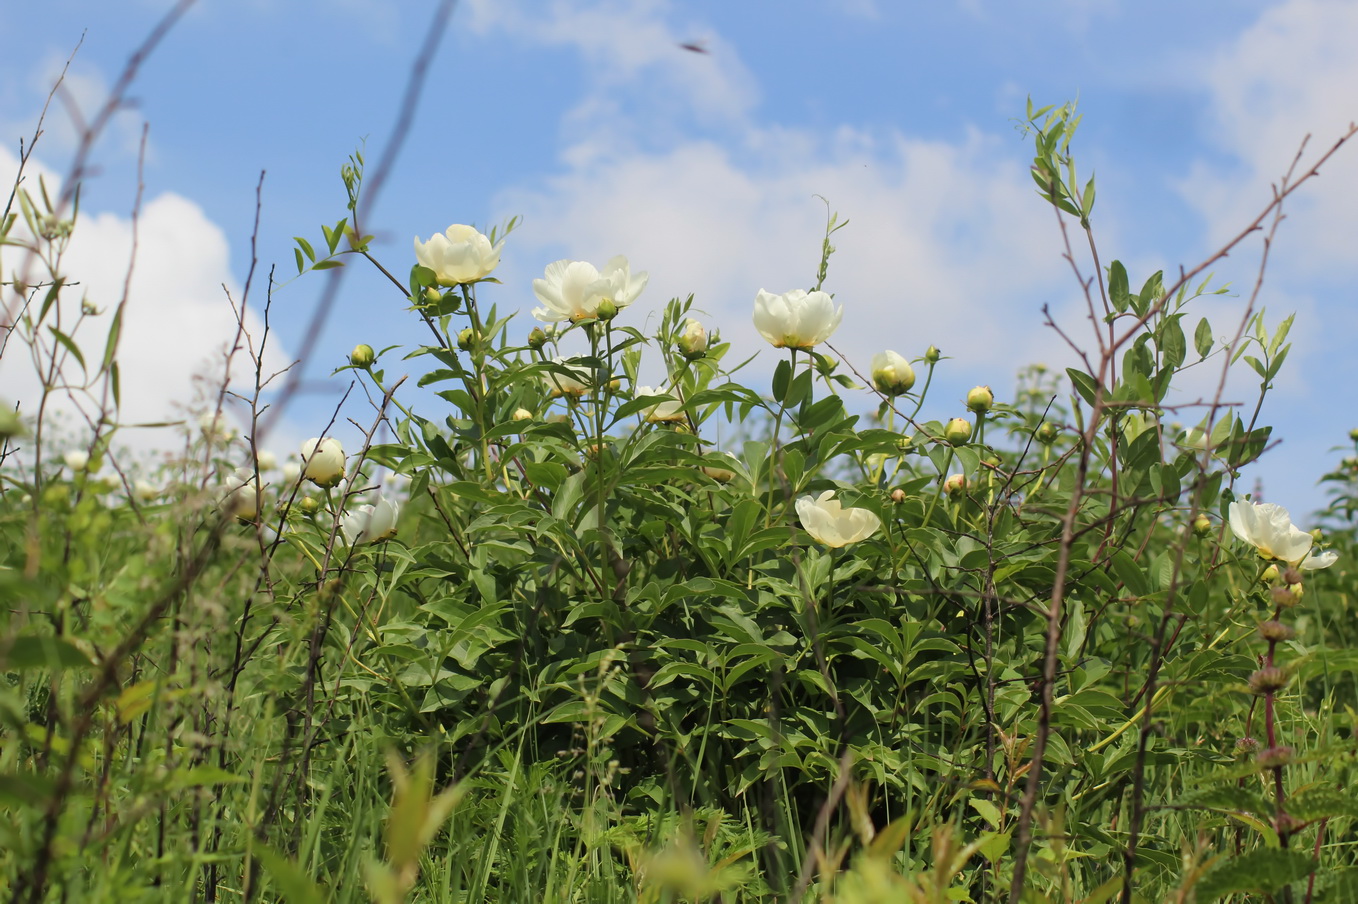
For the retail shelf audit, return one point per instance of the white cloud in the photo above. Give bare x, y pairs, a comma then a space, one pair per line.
177, 322
946, 243
1291, 74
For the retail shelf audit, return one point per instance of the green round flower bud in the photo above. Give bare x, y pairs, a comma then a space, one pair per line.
1353, 434
955, 485
309, 505
432, 296
980, 399
1270, 575
522, 414
1047, 432
898, 495
1202, 525
957, 432
466, 339
362, 356
932, 354
606, 310
537, 339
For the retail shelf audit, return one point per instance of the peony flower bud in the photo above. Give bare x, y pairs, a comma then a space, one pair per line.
606, 310
145, 491
1353, 434
362, 356
432, 296
1202, 526
692, 340
309, 505
955, 485
932, 354
892, 374
1270, 575
466, 339
77, 459
898, 495
292, 472
537, 338
266, 460
522, 414
720, 474
980, 399
957, 432
323, 461
1047, 433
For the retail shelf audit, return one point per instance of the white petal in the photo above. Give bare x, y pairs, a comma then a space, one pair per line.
1320, 560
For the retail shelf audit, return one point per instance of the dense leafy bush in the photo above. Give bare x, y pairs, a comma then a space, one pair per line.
557, 640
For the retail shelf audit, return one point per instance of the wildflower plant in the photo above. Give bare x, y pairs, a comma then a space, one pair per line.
724, 632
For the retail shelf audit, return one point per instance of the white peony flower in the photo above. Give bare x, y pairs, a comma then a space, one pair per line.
892, 374
242, 496
77, 459
573, 383
573, 290
323, 461
459, 255
216, 428
371, 523
1269, 528
796, 319
660, 412
827, 521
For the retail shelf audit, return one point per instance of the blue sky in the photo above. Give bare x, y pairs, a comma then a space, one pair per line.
586, 118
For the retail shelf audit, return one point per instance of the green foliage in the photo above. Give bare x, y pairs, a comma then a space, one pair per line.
612, 653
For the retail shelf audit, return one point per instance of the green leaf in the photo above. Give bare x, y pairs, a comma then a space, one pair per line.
1118, 292
782, 378
1261, 871
37, 651
69, 345
306, 248
294, 884
328, 265
1084, 384
1202, 338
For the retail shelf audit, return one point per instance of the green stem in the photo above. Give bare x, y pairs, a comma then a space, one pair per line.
942, 478
777, 426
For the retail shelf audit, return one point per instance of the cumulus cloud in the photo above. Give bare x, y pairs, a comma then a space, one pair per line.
177, 324
1291, 74
946, 242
